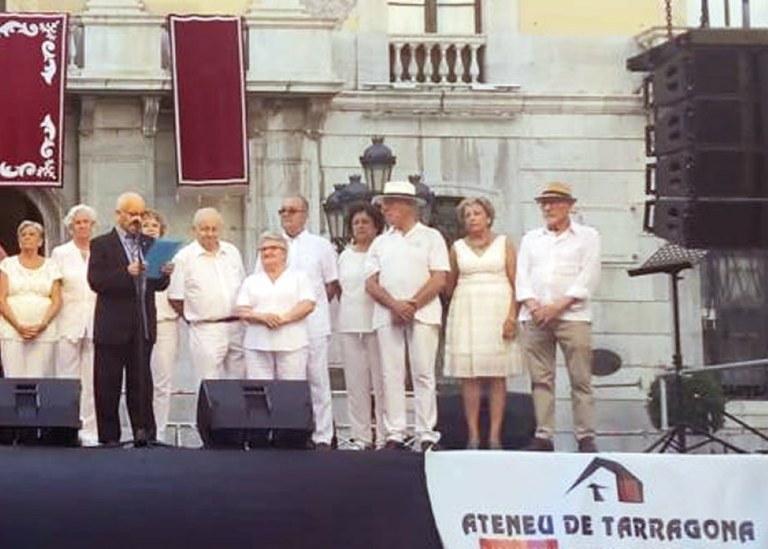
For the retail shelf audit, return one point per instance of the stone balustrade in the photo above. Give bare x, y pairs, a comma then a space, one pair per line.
437, 59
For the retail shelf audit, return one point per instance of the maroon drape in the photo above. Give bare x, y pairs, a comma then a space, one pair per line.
209, 96
32, 82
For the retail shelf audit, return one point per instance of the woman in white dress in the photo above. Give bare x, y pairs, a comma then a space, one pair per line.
166, 348
360, 351
30, 298
274, 302
482, 318
74, 349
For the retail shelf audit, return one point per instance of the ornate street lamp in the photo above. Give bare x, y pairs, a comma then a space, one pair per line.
425, 193
337, 205
377, 162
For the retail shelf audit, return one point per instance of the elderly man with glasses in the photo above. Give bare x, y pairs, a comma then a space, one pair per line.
124, 323
316, 257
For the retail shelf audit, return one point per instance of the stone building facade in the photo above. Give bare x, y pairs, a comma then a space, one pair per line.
542, 94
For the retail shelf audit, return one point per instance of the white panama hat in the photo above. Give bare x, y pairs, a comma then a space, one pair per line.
399, 189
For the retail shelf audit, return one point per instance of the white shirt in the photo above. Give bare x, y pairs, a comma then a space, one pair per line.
551, 266
278, 297
164, 310
404, 263
78, 301
355, 305
207, 282
315, 256
29, 296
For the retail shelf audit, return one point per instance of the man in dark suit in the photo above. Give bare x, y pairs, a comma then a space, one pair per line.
124, 324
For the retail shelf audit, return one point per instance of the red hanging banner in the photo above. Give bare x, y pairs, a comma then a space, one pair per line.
33, 68
209, 100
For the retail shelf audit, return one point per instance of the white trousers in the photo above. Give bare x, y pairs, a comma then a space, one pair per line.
362, 372
164, 355
216, 350
74, 360
420, 341
320, 389
276, 364
28, 358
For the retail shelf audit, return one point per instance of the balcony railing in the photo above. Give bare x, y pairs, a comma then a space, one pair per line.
434, 59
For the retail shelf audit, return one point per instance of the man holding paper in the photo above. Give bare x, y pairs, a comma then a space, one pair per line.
124, 322
203, 289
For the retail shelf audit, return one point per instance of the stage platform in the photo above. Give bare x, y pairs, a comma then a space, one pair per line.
168, 498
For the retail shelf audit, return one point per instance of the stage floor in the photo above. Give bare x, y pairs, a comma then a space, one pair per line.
165, 498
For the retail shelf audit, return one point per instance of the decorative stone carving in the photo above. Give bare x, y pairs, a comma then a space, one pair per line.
87, 110
151, 108
132, 7
258, 115
316, 111
331, 9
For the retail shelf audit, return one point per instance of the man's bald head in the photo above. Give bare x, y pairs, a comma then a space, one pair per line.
129, 212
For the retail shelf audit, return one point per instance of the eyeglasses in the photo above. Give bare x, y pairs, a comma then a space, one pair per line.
290, 211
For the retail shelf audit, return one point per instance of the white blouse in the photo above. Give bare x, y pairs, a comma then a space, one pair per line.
278, 297
78, 301
29, 296
355, 305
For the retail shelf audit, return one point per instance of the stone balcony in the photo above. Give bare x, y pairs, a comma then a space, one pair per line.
131, 53
437, 59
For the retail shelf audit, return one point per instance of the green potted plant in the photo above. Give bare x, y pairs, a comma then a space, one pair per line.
701, 406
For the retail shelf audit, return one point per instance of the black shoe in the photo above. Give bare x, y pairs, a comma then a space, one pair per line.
319, 446
394, 445
540, 445
140, 439
587, 445
428, 446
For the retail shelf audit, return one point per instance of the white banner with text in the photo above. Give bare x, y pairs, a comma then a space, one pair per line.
526, 500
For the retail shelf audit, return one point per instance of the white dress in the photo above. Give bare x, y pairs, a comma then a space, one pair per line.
474, 346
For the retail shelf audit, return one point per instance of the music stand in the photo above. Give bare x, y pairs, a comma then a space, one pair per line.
671, 259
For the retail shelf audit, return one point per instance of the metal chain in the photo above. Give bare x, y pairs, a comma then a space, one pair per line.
668, 14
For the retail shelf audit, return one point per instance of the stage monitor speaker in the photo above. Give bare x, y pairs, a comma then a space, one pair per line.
709, 173
234, 413
39, 411
709, 223
519, 420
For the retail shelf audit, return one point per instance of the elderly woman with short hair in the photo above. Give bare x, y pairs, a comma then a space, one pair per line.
482, 318
274, 302
30, 298
74, 323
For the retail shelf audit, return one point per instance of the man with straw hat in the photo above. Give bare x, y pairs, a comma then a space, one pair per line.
557, 272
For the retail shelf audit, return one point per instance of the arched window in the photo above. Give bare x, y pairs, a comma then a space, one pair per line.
454, 17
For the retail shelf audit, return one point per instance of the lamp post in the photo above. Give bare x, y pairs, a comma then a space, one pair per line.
337, 205
377, 162
426, 194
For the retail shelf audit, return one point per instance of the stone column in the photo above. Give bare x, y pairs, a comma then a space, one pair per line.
373, 42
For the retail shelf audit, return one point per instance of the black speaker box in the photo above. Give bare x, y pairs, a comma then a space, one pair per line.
519, 420
710, 173
39, 411
707, 70
707, 122
254, 413
709, 223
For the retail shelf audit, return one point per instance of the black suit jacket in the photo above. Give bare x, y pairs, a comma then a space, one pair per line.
117, 317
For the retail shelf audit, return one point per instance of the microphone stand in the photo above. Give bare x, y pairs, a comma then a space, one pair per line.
142, 438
